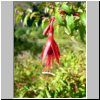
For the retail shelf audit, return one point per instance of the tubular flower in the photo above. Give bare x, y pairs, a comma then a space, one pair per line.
51, 49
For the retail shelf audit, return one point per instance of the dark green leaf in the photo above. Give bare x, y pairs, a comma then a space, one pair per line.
82, 32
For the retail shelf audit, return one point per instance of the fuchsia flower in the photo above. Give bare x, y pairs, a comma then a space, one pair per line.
51, 49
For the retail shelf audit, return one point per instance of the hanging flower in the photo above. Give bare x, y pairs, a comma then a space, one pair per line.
51, 49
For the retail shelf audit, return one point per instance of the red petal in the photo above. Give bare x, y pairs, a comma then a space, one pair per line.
52, 57
50, 52
46, 50
55, 51
48, 61
57, 48
51, 27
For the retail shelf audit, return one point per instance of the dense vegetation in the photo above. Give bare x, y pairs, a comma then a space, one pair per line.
67, 80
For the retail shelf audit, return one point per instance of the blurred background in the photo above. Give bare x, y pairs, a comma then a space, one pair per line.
69, 78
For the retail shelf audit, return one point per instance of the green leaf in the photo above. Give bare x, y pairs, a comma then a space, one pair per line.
47, 93
19, 8
36, 19
83, 18
66, 31
26, 19
66, 8
29, 10
70, 22
57, 29
45, 22
42, 4
34, 14
82, 32
59, 18
26, 87
18, 18
57, 3
22, 93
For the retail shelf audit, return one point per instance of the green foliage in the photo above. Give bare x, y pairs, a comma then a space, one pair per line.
83, 18
66, 8
67, 80
59, 19
70, 22
45, 22
33, 16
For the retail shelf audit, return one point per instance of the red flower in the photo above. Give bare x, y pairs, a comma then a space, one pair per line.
51, 49
76, 14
